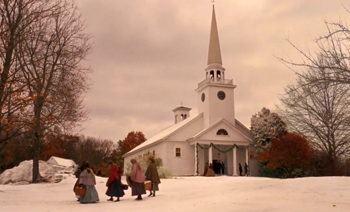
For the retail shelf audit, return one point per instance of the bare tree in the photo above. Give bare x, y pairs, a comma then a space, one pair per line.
320, 110
317, 104
95, 150
54, 78
16, 17
332, 54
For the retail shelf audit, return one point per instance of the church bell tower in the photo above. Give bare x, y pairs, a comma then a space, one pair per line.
215, 94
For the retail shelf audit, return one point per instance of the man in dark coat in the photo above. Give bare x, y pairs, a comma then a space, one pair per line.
240, 169
222, 168
246, 169
153, 176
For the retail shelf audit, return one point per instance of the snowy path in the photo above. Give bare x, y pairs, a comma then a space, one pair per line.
241, 194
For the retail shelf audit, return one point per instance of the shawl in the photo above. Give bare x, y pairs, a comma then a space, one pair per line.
136, 173
87, 178
152, 173
113, 174
91, 171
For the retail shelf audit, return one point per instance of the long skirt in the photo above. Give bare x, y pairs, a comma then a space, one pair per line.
75, 185
115, 189
90, 196
137, 188
155, 187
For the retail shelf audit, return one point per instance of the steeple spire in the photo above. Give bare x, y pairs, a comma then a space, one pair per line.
214, 55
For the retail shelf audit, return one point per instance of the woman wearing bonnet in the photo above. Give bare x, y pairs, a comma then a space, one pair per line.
136, 180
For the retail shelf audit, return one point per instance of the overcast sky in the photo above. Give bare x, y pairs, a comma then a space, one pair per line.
149, 55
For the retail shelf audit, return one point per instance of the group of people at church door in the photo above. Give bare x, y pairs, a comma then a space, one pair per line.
241, 169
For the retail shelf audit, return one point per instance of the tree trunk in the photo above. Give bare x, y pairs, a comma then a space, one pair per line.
3, 81
331, 164
38, 104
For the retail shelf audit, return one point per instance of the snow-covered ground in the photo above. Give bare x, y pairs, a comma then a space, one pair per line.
238, 194
54, 170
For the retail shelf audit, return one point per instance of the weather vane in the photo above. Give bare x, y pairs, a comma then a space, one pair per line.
213, 1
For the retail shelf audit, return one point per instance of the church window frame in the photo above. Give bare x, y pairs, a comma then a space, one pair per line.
177, 152
222, 132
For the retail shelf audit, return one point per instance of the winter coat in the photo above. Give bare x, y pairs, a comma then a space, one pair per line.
136, 174
113, 174
87, 177
152, 174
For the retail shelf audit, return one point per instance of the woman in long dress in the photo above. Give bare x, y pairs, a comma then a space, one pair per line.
153, 176
114, 184
136, 180
88, 180
77, 174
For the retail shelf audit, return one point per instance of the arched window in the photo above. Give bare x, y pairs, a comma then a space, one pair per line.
222, 132
211, 74
218, 74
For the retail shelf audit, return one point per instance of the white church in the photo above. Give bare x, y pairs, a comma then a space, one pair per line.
213, 136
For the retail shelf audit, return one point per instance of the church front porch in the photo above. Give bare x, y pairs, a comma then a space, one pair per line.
224, 158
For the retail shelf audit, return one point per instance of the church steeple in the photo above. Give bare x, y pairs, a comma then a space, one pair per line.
215, 94
214, 55
214, 71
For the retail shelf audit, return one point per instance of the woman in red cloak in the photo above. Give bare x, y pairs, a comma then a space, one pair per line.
114, 184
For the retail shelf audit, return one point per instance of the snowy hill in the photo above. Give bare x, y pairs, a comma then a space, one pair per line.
236, 194
53, 171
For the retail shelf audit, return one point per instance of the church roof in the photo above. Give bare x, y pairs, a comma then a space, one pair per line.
182, 108
162, 134
214, 54
239, 127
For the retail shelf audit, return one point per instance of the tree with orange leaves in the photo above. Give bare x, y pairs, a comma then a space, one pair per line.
132, 140
287, 153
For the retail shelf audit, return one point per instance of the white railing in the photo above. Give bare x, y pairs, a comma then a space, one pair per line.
215, 81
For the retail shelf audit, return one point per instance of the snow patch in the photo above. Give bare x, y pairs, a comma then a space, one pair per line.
49, 172
61, 162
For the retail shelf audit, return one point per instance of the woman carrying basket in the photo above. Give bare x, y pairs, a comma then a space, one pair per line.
114, 184
136, 180
87, 179
153, 176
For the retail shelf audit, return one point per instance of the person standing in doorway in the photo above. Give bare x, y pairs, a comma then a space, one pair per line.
222, 168
240, 169
246, 169
206, 167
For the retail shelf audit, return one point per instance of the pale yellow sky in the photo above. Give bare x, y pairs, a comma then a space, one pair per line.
149, 55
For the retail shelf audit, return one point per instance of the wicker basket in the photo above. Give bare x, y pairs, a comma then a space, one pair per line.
125, 187
148, 185
80, 190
